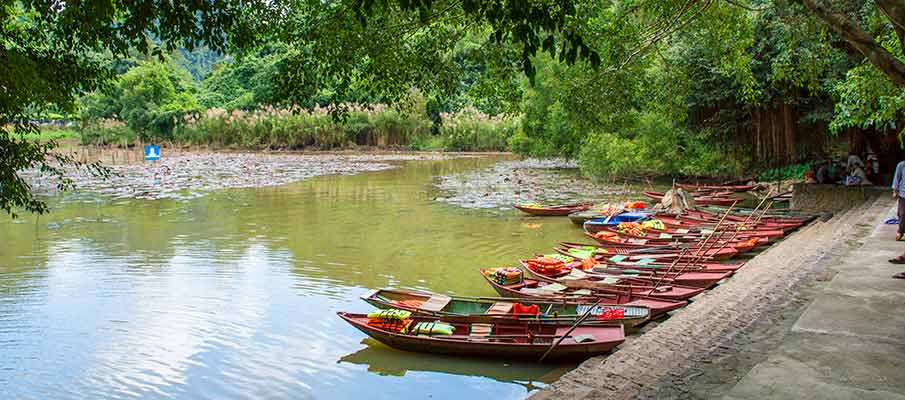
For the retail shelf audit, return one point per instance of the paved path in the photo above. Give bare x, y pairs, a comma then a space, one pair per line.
850, 341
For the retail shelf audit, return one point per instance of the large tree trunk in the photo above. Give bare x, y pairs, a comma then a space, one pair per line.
862, 40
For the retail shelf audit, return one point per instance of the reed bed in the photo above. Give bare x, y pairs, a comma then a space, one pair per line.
295, 128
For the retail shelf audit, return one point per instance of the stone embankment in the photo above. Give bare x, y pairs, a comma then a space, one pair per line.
707, 348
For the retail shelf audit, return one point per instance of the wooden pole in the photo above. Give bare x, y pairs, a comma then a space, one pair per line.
703, 249
572, 328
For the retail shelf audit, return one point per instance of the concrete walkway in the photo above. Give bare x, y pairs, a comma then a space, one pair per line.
850, 341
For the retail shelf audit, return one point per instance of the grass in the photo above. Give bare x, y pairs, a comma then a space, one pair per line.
59, 134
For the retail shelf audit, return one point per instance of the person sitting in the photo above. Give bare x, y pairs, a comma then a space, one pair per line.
872, 168
856, 176
852, 160
823, 173
810, 177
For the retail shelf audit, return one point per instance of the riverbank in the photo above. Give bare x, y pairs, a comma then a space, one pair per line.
773, 329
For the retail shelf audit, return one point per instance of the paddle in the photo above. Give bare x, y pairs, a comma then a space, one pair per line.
572, 328
702, 250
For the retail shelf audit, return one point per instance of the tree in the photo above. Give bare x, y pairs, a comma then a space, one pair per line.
53, 51
149, 97
862, 40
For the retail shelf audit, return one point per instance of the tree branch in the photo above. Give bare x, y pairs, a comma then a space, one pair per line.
895, 11
862, 41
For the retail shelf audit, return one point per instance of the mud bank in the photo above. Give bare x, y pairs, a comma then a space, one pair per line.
190, 175
517, 181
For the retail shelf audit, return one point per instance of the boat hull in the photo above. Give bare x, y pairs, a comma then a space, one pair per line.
608, 338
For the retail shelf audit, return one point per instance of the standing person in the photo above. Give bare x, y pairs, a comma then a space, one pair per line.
898, 193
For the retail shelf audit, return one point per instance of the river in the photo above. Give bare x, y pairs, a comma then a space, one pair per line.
233, 294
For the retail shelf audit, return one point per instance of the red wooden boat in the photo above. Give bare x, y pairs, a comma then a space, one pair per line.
677, 225
654, 264
681, 285
512, 340
791, 222
654, 236
710, 222
554, 210
533, 289
668, 254
715, 188
717, 252
712, 200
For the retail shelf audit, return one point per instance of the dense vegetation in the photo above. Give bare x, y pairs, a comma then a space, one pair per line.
656, 87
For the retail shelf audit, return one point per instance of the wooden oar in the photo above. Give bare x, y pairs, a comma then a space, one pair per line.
703, 250
572, 328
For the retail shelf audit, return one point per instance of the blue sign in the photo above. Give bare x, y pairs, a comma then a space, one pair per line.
152, 152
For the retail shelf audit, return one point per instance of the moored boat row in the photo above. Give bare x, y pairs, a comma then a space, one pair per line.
579, 299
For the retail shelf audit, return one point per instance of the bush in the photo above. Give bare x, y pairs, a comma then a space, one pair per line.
654, 147
107, 131
794, 171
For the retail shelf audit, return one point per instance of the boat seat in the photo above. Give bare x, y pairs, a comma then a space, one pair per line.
645, 261
554, 287
576, 274
499, 308
436, 302
481, 329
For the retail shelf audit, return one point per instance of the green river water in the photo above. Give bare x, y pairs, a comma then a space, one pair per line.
234, 294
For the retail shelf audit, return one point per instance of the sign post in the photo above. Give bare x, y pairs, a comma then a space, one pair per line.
152, 152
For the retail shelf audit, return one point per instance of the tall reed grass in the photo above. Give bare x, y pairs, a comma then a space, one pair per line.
470, 130
294, 128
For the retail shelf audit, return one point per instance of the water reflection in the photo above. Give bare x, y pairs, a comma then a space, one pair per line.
386, 361
234, 294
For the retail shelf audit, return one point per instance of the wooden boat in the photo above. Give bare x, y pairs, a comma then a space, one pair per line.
489, 309
678, 285
505, 340
597, 224
715, 188
701, 220
686, 227
622, 261
534, 289
772, 213
657, 254
715, 200
792, 222
672, 235
718, 252
580, 217
771, 231
554, 210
